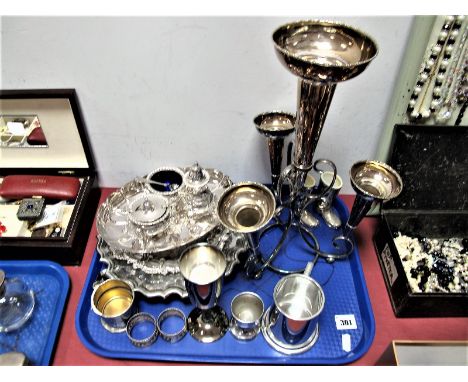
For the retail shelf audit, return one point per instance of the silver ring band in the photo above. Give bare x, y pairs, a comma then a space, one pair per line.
172, 337
135, 320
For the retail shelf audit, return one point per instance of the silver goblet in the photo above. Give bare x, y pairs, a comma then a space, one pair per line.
247, 208
203, 266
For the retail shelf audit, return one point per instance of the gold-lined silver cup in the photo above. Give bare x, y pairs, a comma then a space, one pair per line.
113, 300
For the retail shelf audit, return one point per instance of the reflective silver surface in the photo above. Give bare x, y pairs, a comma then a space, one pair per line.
290, 325
373, 181
275, 126
208, 325
323, 51
283, 347
321, 54
203, 266
247, 311
148, 212
246, 207
312, 107
325, 205
161, 229
144, 319
174, 336
166, 181
159, 277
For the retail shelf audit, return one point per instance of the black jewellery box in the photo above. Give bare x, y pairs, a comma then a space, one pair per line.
425, 277
48, 182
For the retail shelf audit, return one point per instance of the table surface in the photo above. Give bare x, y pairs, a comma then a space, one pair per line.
70, 350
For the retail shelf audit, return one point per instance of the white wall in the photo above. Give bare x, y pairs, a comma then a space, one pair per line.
168, 91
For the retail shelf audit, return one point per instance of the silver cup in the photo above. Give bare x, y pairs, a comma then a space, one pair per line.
112, 300
203, 266
291, 324
246, 208
247, 311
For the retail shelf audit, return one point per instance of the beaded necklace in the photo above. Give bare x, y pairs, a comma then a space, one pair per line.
443, 71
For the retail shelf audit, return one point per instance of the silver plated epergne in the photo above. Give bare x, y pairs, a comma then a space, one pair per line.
321, 54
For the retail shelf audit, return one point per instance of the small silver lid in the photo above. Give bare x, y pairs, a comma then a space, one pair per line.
13, 359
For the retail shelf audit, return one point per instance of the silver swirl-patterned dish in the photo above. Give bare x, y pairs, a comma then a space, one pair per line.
169, 209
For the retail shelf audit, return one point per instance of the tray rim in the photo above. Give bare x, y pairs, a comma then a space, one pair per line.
364, 302
64, 279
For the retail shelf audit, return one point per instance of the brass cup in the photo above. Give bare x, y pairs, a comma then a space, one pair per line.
112, 300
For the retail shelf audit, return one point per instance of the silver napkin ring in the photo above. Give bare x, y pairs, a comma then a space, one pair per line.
172, 337
135, 320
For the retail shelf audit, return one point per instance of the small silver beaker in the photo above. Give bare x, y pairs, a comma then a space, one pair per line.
247, 311
112, 300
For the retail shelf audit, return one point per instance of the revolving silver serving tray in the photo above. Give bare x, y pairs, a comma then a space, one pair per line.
178, 218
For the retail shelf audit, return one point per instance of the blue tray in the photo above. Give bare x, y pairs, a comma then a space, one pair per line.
50, 284
345, 293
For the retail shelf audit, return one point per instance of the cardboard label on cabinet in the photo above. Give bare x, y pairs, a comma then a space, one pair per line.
389, 264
